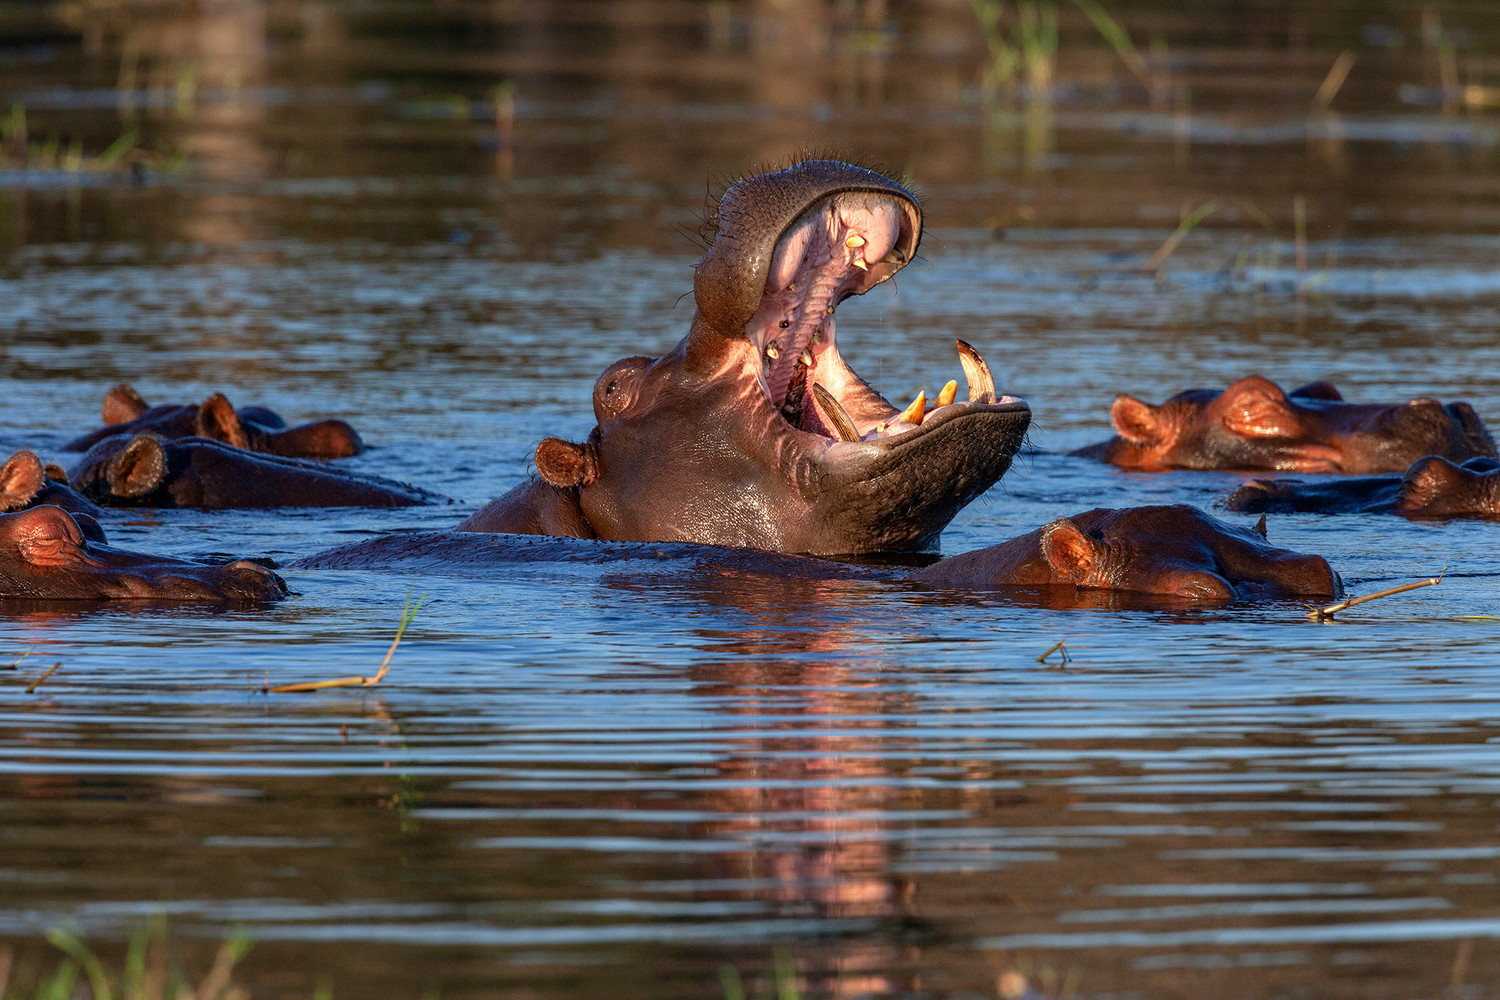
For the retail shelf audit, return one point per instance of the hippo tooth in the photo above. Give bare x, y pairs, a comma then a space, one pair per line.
859, 262
894, 257
981, 385
948, 392
805, 358
913, 414
855, 241
772, 351
838, 417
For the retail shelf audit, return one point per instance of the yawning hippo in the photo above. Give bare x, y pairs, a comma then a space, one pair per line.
149, 471
1254, 425
1431, 487
25, 482
1178, 551
254, 428
753, 431
48, 554
1172, 551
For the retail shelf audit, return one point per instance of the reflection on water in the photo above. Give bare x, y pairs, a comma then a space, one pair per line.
617, 779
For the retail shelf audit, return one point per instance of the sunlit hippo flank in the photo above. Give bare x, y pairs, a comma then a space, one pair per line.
1432, 487
254, 428
149, 471
1254, 425
753, 431
47, 554
1177, 551
25, 482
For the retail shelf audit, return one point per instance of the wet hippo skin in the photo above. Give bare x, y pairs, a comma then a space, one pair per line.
253, 428
149, 471
1173, 551
753, 431
1432, 487
48, 554
24, 482
1254, 425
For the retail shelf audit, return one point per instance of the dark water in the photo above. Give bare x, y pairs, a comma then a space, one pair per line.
586, 780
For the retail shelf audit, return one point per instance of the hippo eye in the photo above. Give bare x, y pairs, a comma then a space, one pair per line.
609, 389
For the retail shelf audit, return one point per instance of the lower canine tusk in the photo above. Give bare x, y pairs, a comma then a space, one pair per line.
981, 384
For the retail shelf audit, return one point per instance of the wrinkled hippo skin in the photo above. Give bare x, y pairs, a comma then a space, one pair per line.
753, 431
149, 471
1432, 487
253, 428
25, 482
1254, 425
50, 555
1176, 551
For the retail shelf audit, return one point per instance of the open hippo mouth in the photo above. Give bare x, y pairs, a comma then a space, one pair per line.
843, 246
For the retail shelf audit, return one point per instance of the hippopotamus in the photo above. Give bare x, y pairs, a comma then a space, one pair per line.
48, 554
1178, 551
1432, 487
150, 471
753, 431
25, 482
254, 428
1254, 425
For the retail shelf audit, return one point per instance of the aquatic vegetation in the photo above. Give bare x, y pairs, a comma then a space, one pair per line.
1023, 44
19, 151
149, 971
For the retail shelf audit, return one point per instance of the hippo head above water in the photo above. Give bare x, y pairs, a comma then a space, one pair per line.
753, 431
253, 428
48, 554
1254, 425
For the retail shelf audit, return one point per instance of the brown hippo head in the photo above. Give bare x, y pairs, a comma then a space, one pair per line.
753, 431
1254, 425
1436, 487
253, 428
48, 554
1178, 551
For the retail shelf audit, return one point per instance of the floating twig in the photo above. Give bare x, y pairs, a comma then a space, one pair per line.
1323, 614
1059, 647
408, 613
18, 661
38, 682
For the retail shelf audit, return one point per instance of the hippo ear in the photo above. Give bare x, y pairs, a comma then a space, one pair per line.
1069, 552
1318, 390
139, 469
217, 420
564, 464
1260, 528
21, 479
1256, 408
1135, 421
56, 473
122, 404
